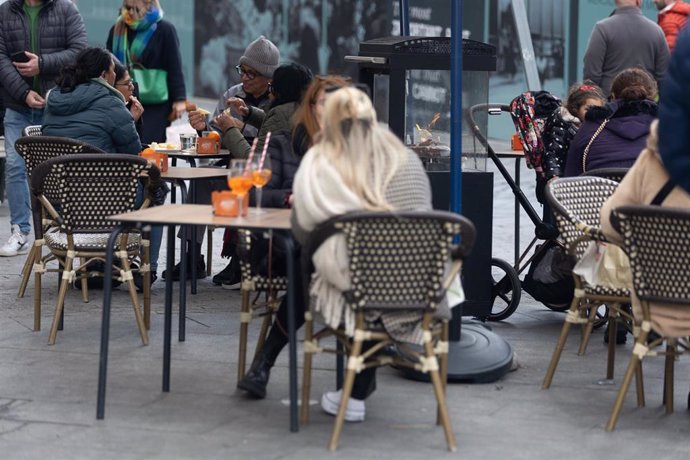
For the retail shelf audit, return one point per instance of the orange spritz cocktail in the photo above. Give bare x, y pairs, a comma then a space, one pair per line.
240, 184
261, 177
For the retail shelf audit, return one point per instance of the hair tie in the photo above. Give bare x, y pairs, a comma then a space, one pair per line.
587, 88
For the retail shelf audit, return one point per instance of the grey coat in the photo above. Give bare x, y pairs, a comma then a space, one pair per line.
623, 40
61, 35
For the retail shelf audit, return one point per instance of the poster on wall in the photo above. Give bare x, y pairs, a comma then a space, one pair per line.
316, 33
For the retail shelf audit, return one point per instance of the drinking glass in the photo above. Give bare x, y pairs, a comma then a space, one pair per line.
239, 181
261, 175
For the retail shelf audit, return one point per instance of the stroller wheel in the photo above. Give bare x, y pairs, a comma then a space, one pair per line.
505, 290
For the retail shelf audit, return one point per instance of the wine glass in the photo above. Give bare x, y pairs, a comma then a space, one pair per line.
261, 175
239, 181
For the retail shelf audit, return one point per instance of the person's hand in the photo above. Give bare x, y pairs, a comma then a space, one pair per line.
178, 109
29, 68
34, 100
225, 121
197, 119
136, 108
238, 105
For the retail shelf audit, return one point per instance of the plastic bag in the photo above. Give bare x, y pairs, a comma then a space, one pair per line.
605, 265
550, 279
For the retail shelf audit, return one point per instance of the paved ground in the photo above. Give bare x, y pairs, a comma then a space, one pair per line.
48, 393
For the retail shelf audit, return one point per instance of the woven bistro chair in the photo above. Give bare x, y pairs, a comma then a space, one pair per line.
656, 240
397, 263
87, 189
32, 130
576, 203
253, 282
34, 150
614, 174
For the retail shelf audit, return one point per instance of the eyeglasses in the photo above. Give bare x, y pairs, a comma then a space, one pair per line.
129, 82
270, 88
250, 74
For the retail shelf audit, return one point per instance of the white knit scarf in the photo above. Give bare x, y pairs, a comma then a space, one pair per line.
320, 194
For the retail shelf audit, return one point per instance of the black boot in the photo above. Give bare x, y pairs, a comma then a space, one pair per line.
200, 266
255, 381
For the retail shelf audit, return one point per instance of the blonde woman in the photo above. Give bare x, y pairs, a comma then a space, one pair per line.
356, 164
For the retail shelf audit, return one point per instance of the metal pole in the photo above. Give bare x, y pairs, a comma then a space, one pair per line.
456, 113
526, 48
404, 17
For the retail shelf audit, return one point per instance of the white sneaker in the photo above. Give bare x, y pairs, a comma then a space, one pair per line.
17, 244
330, 402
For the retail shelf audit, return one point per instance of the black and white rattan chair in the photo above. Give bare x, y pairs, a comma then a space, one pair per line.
34, 150
33, 130
80, 192
257, 284
656, 240
397, 263
614, 174
576, 203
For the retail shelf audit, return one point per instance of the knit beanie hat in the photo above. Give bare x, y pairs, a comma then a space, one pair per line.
262, 55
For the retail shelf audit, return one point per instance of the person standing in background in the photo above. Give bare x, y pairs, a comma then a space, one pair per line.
142, 39
37, 39
624, 40
673, 15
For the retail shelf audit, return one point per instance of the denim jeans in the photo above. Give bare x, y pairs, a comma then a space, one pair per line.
15, 170
156, 232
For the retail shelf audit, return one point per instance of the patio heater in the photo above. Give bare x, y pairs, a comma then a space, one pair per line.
411, 79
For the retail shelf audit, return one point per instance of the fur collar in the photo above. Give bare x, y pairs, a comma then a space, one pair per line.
619, 109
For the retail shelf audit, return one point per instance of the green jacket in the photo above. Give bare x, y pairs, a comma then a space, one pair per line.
278, 119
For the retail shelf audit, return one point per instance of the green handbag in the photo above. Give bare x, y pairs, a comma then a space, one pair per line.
153, 85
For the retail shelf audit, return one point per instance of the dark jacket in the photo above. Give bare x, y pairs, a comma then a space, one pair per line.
559, 130
619, 143
674, 114
61, 35
93, 112
284, 164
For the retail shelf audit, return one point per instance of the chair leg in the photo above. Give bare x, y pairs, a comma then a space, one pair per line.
84, 284
440, 399
135, 300
209, 251
634, 363
26, 271
37, 292
443, 358
306, 378
668, 375
245, 318
611, 358
345, 395
587, 332
639, 381
64, 283
146, 260
263, 333
548, 378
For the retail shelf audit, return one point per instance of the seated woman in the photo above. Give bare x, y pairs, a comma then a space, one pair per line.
126, 86
86, 106
613, 136
642, 185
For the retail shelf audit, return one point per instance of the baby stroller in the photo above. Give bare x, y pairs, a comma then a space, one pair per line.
528, 112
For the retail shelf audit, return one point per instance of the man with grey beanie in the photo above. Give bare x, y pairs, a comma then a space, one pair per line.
256, 67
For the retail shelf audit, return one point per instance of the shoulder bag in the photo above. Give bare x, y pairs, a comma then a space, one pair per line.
153, 84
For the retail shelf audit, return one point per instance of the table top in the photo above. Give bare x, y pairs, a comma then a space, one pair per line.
196, 214
193, 155
177, 173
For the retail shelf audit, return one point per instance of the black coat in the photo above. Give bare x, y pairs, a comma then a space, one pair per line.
557, 134
162, 52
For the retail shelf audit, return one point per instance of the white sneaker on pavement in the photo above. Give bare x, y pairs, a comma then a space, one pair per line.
17, 244
330, 402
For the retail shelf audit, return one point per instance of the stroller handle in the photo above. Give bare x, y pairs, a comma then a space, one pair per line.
491, 109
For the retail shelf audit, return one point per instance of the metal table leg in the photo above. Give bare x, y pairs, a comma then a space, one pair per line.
167, 329
292, 333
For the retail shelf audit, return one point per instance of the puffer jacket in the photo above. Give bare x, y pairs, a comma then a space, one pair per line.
278, 119
674, 113
61, 35
559, 130
673, 20
94, 112
619, 143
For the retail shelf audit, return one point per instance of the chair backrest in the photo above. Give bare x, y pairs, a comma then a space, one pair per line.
397, 260
576, 203
656, 240
37, 149
33, 130
90, 188
614, 174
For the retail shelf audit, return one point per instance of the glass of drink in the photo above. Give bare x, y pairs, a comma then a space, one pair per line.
261, 175
239, 181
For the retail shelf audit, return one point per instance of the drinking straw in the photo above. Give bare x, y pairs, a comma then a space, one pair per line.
263, 153
251, 151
